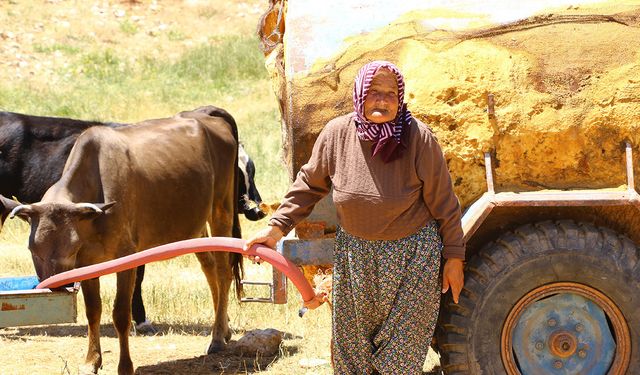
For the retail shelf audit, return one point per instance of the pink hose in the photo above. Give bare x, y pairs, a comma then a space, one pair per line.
175, 249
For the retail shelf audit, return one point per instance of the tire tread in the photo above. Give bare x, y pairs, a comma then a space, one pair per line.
527, 241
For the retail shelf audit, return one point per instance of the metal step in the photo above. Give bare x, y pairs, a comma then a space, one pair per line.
258, 299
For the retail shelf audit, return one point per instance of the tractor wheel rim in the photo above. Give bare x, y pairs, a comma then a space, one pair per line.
562, 343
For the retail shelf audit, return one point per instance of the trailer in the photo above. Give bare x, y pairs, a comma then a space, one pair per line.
536, 107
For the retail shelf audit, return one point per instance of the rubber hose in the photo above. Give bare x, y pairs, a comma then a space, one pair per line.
175, 249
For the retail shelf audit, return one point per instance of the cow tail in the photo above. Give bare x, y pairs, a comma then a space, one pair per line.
236, 259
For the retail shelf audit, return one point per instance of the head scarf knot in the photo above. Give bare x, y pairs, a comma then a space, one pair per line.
386, 136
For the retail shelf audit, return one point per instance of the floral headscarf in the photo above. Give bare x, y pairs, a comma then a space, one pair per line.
386, 136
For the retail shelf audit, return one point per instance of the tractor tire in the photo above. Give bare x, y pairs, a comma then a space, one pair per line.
541, 299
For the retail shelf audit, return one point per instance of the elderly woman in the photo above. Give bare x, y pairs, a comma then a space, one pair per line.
398, 215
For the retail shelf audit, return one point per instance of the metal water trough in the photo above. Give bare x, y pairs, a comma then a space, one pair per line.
23, 305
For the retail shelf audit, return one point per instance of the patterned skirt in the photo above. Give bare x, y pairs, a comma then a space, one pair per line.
385, 302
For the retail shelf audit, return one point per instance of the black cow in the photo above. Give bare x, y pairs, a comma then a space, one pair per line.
34, 149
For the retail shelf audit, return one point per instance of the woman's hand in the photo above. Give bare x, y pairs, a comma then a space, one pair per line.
453, 276
268, 236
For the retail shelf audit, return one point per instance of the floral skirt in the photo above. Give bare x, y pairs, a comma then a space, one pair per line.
385, 302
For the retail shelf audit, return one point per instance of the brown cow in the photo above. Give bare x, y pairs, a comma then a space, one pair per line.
131, 188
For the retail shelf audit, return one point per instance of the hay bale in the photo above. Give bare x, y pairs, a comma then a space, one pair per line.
565, 84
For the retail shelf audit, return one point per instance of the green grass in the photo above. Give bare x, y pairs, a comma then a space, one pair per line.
228, 66
128, 27
208, 12
176, 35
104, 66
51, 48
230, 61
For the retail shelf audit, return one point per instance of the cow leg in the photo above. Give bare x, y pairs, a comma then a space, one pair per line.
137, 305
221, 332
122, 318
213, 280
93, 307
225, 276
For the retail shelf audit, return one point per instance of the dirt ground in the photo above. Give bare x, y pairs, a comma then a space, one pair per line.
60, 349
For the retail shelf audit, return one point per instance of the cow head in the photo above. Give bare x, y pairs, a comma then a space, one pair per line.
247, 190
6, 206
58, 232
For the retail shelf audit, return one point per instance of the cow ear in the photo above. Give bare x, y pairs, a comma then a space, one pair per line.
90, 211
105, 206
7, 205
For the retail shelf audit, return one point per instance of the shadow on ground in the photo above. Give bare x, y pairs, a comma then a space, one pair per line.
107, 330
217, 363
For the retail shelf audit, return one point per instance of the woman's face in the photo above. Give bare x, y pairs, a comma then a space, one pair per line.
381, 102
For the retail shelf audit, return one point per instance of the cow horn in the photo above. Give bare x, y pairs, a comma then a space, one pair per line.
16, 210
91, 206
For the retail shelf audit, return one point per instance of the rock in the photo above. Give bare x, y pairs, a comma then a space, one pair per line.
98, 11
258, 341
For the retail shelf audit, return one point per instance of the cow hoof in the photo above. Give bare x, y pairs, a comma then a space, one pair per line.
145, 329
126, 369
216, 347
91, 365
227, 337
87, 369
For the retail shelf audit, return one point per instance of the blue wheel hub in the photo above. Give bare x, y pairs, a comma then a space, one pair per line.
563, 334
